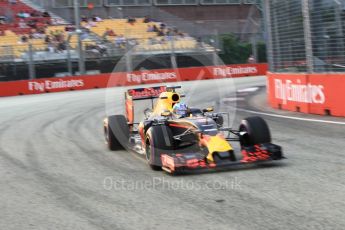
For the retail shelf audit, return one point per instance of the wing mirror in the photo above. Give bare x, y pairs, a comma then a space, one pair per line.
208, 110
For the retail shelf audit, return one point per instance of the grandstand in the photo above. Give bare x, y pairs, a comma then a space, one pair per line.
144, 39
110, 29
137, 33
198, 17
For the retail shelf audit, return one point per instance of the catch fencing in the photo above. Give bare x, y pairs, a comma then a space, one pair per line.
306, 35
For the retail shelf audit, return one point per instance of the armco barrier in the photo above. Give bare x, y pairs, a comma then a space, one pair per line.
321, 94
46, 85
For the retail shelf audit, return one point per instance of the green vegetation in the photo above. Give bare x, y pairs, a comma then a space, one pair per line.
236, 51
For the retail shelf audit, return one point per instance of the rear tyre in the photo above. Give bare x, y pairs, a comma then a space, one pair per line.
257, 131
117, 132
159, 140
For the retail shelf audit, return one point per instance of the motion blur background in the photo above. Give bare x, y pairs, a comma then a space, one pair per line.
39, 39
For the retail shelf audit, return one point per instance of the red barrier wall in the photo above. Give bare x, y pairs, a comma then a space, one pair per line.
46, 85
321, 94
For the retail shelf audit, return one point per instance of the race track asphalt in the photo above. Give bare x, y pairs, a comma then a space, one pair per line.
56, 172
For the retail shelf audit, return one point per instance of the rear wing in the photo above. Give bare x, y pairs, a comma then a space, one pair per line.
145, 93
149, 93
131, 95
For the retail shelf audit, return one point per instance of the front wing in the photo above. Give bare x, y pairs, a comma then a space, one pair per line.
178, 162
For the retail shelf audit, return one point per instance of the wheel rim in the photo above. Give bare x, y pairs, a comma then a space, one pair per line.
148, 152
245, 139
106, 135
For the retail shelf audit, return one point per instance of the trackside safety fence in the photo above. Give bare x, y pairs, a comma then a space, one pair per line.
306, 52
47, 85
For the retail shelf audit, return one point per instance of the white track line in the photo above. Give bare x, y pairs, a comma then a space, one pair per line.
248, 90
292, 118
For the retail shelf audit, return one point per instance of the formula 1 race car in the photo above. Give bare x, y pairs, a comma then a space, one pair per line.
196, 140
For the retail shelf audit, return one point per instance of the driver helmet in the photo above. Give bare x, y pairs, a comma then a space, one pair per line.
180, 109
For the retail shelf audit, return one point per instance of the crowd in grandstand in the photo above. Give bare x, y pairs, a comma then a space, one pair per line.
161, 33
23, 13
16, 16
22, 25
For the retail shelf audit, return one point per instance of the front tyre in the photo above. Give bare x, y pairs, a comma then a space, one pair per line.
257, 131
159, 140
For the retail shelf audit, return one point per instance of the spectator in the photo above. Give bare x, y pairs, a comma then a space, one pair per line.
26, 15
35, 14
56, 21
61, 46
181, 35
84, 18
131, 20
102, 49
51, 47
169, 32
22, 24
120, 41
32, 24
160, 33
110, 32
251, 59
23, 39
150, 28
162, 26
155, 28
42, 30
96, 19
47, 39
3, 20
91, 48
45, 14
90, 24
20, 14
37, 35
31, 35
98, 49
147, 19
70, 28
169, 37
84, 35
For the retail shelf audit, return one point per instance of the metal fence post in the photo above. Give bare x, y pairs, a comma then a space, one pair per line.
32, 71
307, 36
129, 67
172, 54
254, 48
128, 58
268, 33
79, 32
69, 61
